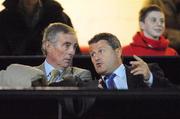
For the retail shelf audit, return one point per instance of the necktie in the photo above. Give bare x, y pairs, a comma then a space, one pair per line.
54, 75
110, 82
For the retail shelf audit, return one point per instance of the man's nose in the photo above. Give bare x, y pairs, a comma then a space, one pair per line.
72, 50
96, 57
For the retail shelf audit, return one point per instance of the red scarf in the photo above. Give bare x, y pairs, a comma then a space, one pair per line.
142, 41
143, 46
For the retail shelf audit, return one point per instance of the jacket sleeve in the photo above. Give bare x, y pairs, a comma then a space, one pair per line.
159, 79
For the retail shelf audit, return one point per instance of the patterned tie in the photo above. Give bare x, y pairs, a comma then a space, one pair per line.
110, 82
54, 75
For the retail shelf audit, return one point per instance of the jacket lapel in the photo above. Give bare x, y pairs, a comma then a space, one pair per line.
134, 82
42, 68
129, 76
67, 72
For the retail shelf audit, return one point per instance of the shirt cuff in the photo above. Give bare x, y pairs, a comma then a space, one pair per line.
150, 81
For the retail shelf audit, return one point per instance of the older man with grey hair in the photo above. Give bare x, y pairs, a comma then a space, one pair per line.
59, 45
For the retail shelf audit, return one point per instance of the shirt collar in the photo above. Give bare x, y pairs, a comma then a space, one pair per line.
48, 68
120, 71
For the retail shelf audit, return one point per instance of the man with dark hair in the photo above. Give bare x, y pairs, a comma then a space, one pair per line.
105, 51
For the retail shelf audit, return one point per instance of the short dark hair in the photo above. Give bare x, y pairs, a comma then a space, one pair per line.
146, 10
110, 38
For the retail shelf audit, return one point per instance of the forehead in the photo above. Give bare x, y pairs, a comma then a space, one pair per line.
155, 14
100, 44
67, 37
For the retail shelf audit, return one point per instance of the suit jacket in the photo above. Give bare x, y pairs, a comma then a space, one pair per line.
137, 82
73, 76
159, 79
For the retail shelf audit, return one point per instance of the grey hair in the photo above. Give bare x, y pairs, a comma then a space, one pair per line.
52, 31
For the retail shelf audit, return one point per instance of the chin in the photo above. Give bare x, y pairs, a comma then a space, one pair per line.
67, 65
100, 72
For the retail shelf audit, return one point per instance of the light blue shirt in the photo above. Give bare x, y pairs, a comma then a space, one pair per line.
48, 69
120, 79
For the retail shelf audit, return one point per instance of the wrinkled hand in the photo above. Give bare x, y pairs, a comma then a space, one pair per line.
139, 67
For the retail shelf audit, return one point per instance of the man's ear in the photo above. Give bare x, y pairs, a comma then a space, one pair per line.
47, 45
118, 52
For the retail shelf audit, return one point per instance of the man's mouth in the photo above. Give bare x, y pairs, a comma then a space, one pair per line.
98, 65
68, 60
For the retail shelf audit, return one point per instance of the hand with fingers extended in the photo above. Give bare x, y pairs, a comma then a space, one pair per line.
139, 67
